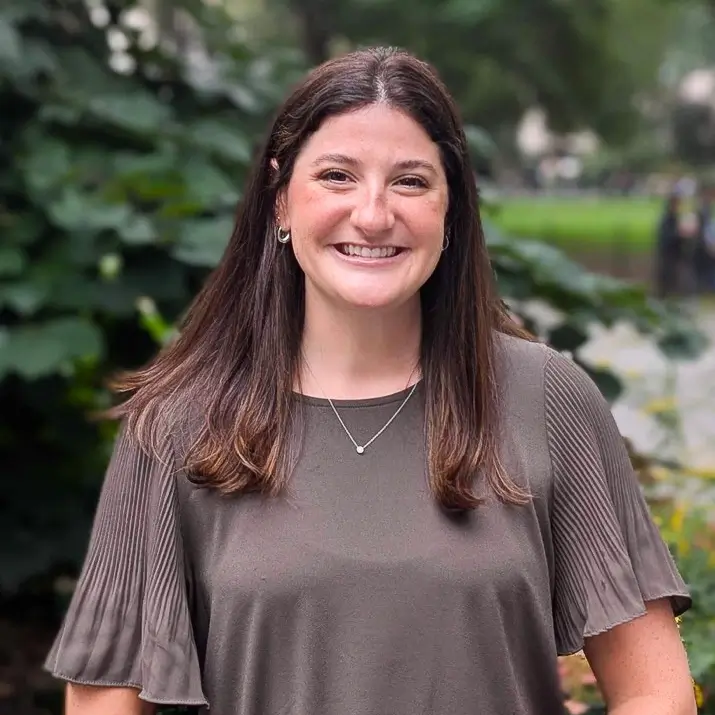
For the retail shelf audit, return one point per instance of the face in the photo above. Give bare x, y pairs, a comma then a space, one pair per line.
366, 207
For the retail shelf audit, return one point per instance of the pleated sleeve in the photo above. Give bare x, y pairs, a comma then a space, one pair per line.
128, 623
609, 557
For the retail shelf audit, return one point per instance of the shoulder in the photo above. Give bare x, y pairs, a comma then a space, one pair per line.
532, 374
519, 365
526, 360
165, 432
517, 354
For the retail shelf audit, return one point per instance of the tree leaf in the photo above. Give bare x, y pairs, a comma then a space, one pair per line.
479, 141
137, 111
681, 342
84, 76
207, 185
36, 59
470, 11
568, 336
24, 298
34, 351
20, 10
10, 43
610, 386
132, 165
23, 229
12, 261
221, 138
47, 162
74, 211
202, 242
138, 231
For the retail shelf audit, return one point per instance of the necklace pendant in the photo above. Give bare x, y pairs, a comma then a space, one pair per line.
359, 450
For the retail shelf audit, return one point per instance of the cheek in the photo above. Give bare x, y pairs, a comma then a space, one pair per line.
299, 202
310, 212
429, 223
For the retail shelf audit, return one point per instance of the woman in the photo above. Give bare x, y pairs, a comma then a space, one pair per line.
351, 486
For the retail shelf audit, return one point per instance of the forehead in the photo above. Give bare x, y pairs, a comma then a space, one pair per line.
377, 130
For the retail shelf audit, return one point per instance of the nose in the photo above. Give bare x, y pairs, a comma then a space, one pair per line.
372, 214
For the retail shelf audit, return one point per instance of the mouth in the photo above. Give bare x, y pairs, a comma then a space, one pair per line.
352, 250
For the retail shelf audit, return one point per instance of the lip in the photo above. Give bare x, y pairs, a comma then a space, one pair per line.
362, 261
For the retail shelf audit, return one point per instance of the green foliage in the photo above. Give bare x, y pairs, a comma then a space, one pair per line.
529, 270
117, 193
498, 57
690, 533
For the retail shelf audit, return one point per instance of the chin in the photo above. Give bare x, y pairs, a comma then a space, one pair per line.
376, 301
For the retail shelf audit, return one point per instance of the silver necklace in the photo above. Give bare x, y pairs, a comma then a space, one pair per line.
360, 448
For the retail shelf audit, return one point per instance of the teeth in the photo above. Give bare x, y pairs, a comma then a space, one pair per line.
365, 252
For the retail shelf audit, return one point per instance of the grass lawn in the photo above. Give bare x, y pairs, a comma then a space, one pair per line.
582, 223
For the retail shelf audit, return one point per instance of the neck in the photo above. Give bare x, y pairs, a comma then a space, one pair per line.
358, 354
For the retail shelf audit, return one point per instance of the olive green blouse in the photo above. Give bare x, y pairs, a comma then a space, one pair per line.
356, 594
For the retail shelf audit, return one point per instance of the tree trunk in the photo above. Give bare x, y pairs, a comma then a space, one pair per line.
313, 18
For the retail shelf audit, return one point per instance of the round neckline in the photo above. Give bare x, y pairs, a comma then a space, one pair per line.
362, 402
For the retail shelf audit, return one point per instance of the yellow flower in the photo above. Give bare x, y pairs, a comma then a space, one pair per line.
660, 473
702, 472
699, 695
677, 519
660, 405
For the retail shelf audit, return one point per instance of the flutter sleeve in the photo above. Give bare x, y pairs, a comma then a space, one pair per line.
609, 557
128, 623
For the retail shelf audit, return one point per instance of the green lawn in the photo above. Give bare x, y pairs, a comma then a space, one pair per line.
588, 223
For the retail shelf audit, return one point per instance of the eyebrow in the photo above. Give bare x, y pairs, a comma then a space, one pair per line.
405, 165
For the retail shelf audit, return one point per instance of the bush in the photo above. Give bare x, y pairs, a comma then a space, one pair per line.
690, 533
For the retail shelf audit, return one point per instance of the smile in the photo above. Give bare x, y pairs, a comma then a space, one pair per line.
350, 249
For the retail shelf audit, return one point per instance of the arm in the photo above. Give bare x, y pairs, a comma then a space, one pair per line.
641, 666
94, 700
128, 626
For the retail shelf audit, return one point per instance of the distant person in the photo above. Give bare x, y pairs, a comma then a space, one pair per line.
670, 249
352, 485
703, 253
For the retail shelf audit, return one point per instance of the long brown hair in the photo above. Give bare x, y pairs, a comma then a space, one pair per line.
237, 352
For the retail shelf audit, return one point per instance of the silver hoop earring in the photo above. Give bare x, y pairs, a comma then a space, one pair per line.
446, 241
282, 236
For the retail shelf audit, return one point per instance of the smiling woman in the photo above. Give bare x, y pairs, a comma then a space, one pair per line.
366, 205
352, 485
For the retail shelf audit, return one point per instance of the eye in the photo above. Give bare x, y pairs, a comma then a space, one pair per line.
334, 176
413, 182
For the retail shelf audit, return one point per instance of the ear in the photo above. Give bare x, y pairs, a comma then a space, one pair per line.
281, 211
281, 208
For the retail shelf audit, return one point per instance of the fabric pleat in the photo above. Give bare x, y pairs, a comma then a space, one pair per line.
610, 558
128, 623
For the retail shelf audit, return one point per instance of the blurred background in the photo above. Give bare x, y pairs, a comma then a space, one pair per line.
126, 129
